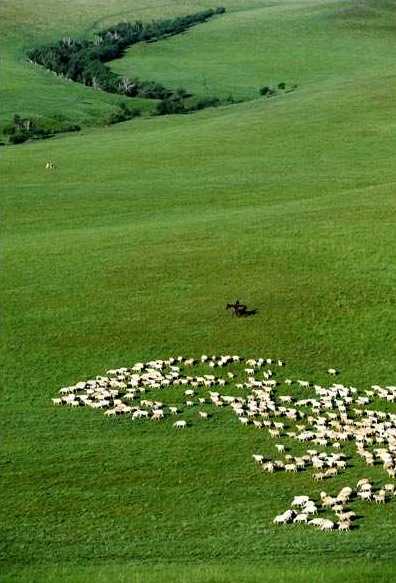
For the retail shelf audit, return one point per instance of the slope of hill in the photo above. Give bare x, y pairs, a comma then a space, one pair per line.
130, 248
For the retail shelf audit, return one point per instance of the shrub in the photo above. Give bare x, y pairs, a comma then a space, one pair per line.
170, 105
206, 102
123, 113
175, 104
18, 137
267, 91
22, 129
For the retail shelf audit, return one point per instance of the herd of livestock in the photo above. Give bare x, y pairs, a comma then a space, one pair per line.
316, 416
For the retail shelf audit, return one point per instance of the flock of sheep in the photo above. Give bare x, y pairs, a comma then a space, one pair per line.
304, 510
314, 415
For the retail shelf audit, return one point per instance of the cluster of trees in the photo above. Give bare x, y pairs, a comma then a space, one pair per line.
83, 60
22, 129
269, 91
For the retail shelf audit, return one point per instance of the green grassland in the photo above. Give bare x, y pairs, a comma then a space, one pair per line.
296, 42
130, 249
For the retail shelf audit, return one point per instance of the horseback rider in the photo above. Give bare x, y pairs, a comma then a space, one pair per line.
238, 308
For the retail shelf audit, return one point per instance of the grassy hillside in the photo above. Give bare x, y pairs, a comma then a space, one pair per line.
130, 249
265, 43
30, 90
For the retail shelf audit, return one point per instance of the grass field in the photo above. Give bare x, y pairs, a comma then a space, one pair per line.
130, 249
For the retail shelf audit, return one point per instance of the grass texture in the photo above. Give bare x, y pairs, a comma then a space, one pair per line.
130, 249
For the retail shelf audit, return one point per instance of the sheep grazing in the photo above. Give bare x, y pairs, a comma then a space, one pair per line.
300, 500
301, 518
365, 495
380, 497
322, 523
310, 508
157, 415
258, 458
327, 525
319, 476
315, 522
344, 494
328, 416
284, 518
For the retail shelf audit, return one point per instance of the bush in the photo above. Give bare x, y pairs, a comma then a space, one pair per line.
18, 138
22, 129
267, 91
170, 105
177, 104
206, 102
124, 113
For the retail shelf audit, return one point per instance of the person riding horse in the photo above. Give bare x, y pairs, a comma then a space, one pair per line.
238, 308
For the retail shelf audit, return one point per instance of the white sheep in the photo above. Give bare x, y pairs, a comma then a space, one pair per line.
300, 500
327, 525
284, 518
258, 458
301, 518
365, 495
344, 526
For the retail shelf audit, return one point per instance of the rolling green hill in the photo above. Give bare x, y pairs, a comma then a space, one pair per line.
129, 249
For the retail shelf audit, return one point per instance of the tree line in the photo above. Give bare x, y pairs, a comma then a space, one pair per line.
83, 60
